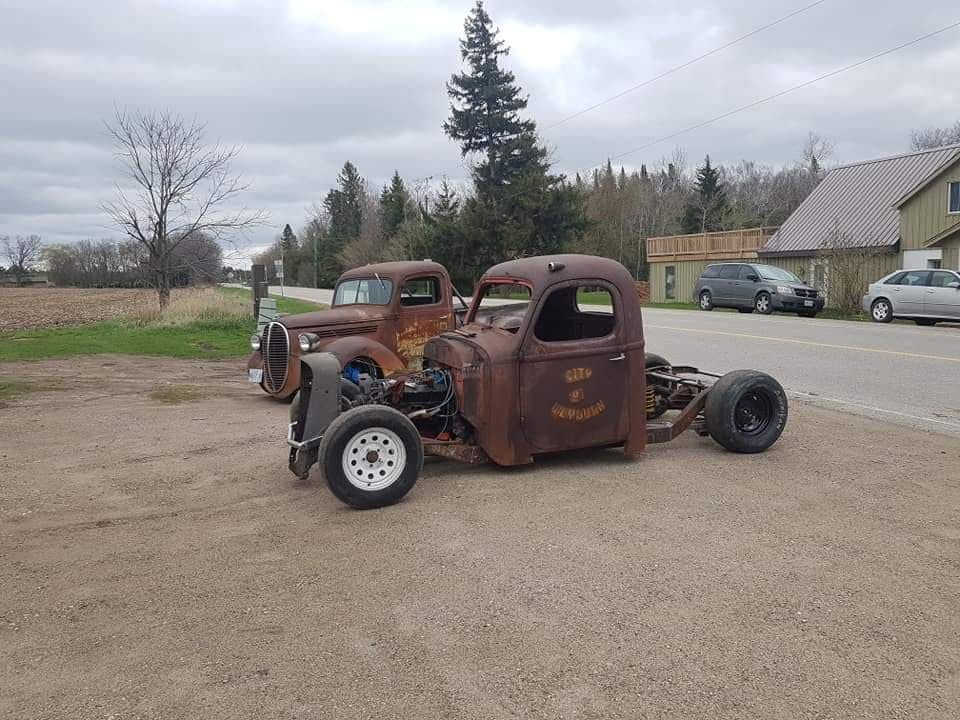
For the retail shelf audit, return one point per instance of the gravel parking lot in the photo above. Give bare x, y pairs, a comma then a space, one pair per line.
159, 561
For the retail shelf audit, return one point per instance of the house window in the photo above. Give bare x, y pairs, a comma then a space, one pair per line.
670, 282
953, 203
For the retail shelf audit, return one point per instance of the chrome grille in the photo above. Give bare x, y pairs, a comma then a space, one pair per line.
801, 292
276, 355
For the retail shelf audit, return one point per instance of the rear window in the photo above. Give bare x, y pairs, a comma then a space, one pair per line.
712, 271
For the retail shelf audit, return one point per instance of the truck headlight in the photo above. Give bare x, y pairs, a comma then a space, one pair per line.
784, 290
306, 341
255, 342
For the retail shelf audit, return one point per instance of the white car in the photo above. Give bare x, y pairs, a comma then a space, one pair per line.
924, 296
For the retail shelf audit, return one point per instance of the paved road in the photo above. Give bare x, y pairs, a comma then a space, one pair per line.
900, 372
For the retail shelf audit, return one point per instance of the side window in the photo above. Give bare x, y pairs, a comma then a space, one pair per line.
914, 278
895, 279
670, 282
953, 198
730, 272
942, 279
567, 314
712, 271
420, 291
746, 271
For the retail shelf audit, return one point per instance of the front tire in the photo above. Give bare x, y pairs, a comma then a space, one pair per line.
371, 456
746, 411
763, 304
706, 300
881, 311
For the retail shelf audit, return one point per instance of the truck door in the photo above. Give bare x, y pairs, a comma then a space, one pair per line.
573, 370
423, 312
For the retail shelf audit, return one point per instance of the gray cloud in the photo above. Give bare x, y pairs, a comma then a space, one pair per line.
304, 86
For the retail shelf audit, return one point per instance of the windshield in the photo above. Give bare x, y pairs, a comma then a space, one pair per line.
502, 305
769, 272
363, 291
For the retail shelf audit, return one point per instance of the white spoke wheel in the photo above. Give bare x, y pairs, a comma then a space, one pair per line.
374, 459
371, 456
881, 311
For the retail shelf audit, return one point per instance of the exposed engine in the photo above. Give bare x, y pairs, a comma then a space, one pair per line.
427, 397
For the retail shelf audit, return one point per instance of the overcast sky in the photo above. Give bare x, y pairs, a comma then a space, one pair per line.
304, 85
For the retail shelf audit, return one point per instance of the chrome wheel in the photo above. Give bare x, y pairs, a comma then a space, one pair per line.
374, 459
706, 302
881, 310
763, 303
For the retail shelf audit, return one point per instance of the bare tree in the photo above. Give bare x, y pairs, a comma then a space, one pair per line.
848, 267
929, 138
818, 153
183, 188
22, 253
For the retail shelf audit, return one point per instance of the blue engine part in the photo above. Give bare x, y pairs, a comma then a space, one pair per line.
352, 373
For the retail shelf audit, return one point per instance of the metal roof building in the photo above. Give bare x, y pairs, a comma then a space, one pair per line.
861, 201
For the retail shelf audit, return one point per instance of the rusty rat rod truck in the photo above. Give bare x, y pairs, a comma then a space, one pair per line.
380, 318
538, 367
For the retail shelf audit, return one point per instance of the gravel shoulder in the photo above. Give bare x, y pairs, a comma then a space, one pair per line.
159, 561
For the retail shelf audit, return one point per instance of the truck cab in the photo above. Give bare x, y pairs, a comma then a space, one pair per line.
381, 317
550, 358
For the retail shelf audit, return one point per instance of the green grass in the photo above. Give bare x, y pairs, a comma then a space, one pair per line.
285, 305
224, 339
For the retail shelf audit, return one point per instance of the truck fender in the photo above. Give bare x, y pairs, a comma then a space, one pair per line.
317, 405
350, 348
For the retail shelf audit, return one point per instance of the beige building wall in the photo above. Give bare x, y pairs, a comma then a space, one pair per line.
924, 216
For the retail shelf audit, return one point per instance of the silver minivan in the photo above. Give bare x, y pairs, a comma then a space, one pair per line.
924, 296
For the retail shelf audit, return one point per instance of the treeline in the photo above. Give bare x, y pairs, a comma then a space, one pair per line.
197, 260
515, 206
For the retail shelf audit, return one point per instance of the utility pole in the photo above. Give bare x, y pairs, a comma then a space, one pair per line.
315, 259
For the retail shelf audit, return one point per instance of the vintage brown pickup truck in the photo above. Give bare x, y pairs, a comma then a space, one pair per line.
560, 367
380, 318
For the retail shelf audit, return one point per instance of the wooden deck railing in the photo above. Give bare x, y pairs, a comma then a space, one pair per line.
730, 244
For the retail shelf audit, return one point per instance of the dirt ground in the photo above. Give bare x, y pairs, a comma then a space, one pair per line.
23, 308
159, 561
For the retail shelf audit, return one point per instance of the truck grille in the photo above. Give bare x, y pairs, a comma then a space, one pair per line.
276, 354
800, 292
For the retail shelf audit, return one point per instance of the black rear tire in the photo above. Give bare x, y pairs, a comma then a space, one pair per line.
342, 440
746, 411
706, 300
652, 360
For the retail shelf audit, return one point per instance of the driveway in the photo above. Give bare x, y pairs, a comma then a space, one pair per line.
159, 561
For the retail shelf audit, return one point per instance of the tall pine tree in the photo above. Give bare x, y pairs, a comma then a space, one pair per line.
344, 208
394, 204
707, 209
518, 207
